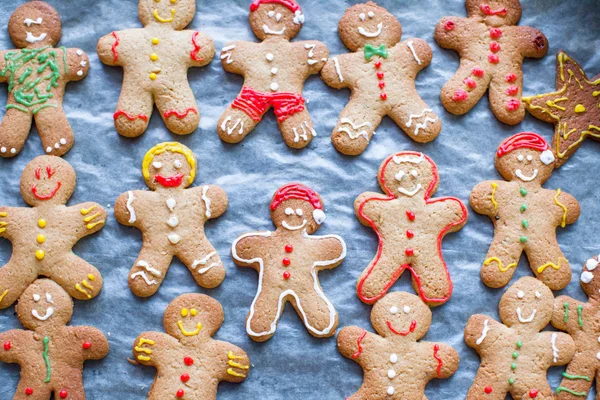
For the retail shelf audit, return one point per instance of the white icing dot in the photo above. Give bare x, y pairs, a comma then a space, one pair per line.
394, 357
3, 150
48, 149
390, 390
529, 157
362, 16
174, 238
63, 141
547, 157
271, 13
157, 165
173, 221
598, 339
538, 294
83, 63
299, 212
406, 309
270, 56
393, 310
79, 52
274, 86
391, 374
591, 264
598, 356
274, 71
36, 297
520, 294
177, 164
371, 14
57, 145
79, 73
520, 157
171, 203
289, 211
586, 276
13, 150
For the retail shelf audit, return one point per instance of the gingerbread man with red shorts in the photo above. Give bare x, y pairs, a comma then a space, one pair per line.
274, 73
492, 48
50, 353
410, 226
396, 365
288, 261
155, 60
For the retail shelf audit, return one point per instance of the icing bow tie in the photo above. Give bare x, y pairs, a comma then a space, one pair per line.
371, 51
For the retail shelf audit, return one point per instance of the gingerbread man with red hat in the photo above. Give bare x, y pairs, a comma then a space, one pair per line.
274, 73
525, 215
288, 261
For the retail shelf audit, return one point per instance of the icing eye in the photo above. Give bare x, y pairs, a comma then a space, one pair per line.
520, 294
538, 294
393, 310
49, 298
406, 309
371, 14
278, 17
157, 165
177, 164
36, 297
184, 312
299, 212
289, 211
529, 158
400, 175
194, 312
362, 16
520, 157
271, 14
414, 173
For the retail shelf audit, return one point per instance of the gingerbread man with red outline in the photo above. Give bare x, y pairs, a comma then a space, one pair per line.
410, 226
274, 73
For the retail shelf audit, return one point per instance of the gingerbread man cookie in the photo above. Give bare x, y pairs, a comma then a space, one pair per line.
395, 364
525, 215
43, 236
50, 353
274, 72
37, 74
155, 60
492, 48
381, 74
189, 362
580, 320
410, 226
288, 261
573, 108
515, 355
171, 218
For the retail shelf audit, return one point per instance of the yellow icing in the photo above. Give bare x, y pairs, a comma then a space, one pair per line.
3, 295
565, 210
93, 225
41, 238
86, 211
236, 365
494, 202
146, 341
500, 267
233, 373
91, 277
42, 223
232, 356
192, 333
184, 312
87, 285
3, 214
155, 41
40, 254
161, 19
194, 312
142, 350
580, 108
91, 217
82, 290
552, 265
154, 57
144, 358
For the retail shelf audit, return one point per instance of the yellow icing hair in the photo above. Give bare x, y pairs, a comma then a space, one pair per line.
173, 147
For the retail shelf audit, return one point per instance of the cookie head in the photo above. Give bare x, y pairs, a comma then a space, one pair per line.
44, 304
47, 180
193, 317
527, 302
35, 24
590, 278
409, 174
369, 24
495, 12
400, 314
525, 157
296, 207
276, 18
175, 13
169, 165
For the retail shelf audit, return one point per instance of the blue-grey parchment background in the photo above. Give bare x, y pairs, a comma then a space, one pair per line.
294, 365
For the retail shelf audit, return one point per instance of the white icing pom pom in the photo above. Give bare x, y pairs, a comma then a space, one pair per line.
298, 17
591, 264
319, 216
547, 157
586, 276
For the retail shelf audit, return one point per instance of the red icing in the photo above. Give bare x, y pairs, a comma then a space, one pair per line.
441, 234
359, 344
28, 391
377, 64
86, 345
381, 85
488, 389
409, 252
7, 346
523, 140
255, 103
194, 53
513, 105
512, 90
495, 33
383, 96
114, 47
287, 275
380, 75
296, 191
63, 394
291, 4
188, 361
460, 95
470, 83
185, 378
171, 181
478, 72
413, 325
533, 393
487, 10
410, 234
495, 47
49, 171
289, 248
493, 59
410, 215
449, 25
130, 117
510, 78
179, 115
38, 173
45, 196
436, 348
286, 261
180, 393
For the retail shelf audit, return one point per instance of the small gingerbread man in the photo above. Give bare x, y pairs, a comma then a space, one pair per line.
410, 226
394, 356
171, 218
580, 320
381, 74
525, 215
274, 72
50, 353
189, 362
492, 48
156, 60
37, 74
43, 236
515, 355
288, 261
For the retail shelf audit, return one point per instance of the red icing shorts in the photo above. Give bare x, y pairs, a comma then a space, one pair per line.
255, 104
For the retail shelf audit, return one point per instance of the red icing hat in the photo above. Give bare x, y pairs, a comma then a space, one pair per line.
527, 140
291, 4
296, 191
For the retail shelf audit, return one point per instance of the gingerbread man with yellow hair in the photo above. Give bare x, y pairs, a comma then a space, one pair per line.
156, 59
171, 218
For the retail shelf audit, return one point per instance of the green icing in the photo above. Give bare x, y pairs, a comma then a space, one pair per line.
572, 377
579, 316
574, 393
46, 359
566, 307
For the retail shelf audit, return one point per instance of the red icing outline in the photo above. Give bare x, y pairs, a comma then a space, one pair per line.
129, 117
179, 115
527, 140
441, 235
436, 348
487, 10
413, 325
290, 4
296, 191
45, 196
360, 348
171, 181
114, 47
194, 53
255, 104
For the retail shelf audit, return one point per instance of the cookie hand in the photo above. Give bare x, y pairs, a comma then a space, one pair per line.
94, 217
237, 367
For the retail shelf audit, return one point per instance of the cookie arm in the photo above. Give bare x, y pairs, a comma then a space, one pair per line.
533, 43
108, 49
368, 205
92, 217
569, 207
6, 221
78, 64
453, 213
316, 53
233, 57
332, 249
420, 51
478, 330
482, 198
92, 341
17, 341
237, 365
202, 51
125, 209
215, 201
446, 361
4, 76
450, 30
567, 314
350, 342
149, 348
247, 249
559, 346
336, 72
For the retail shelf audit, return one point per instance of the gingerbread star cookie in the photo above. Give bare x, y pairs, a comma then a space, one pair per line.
573, 109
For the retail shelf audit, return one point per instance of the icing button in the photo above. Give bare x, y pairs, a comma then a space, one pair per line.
286, 275
410, 215
7, 345
390, 390
188, 361
40, 254
394, 358
598, 356
86, 345
391, 374
289, 248
42, 223
185, 378
410, 234
180, 393
488, 390
409, 252
269, 56
383, 96
28, 391
286, 261
155, 41
63, 394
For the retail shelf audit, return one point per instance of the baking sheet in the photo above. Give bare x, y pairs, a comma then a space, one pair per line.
293, 364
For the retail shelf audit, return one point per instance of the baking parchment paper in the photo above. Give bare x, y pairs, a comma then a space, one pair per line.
293, 364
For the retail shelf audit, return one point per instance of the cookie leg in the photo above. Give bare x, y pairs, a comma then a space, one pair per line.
379, 276
205, 264
501, 261
297, 130
487, 386
178, 109
55, 131
419, 121
79, 278
578, 378
39, 392
355, 128
264, 314
317, 313
73, 390
14, 130
541, 390
14, 279
431, 281
234, 125
505, 97
148, 271
548, 263
466, 88
134, 110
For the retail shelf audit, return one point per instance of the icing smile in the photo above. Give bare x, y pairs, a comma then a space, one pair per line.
34, 39
524, 178
368, 34
410, 193
161, 19
170, 181
525, 320
189, 333
293, 228
487, 10
48, 314
269, 31
45, 196
413, 325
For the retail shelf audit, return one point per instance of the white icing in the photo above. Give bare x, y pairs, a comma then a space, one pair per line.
271, 14
3, 150
144, 276
538, 294
319, 216
391, 374
174, 238
520, 294
173, 221
290, 292
371, 14
393, 358
79, 52
206, 201
409, 159
29, 21
413, 116
289, 211
230, 130
48, 149
393, 310
171, 203
362, 16
36, 297
598, 356
368, 34
525, 320
269, 56
299, 212
336, 62
13, 150
554, 348
57, 145
520, 157
147, 267
130, 199
406, 309
34, 39
274, 71
390, 390
293, 228
270, 31
422, 125
63, 141
410, 193
49, 298
298, 17
484, 332
48, 314
312, 47
591, 264
414, 53
547, 157
586, 276
529, 157
304, 135
312, 62
79, 73
226, 53
204, 261
525, 178
355, 127
414, 172
157, 165
177, 164
278, 17
274, 86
